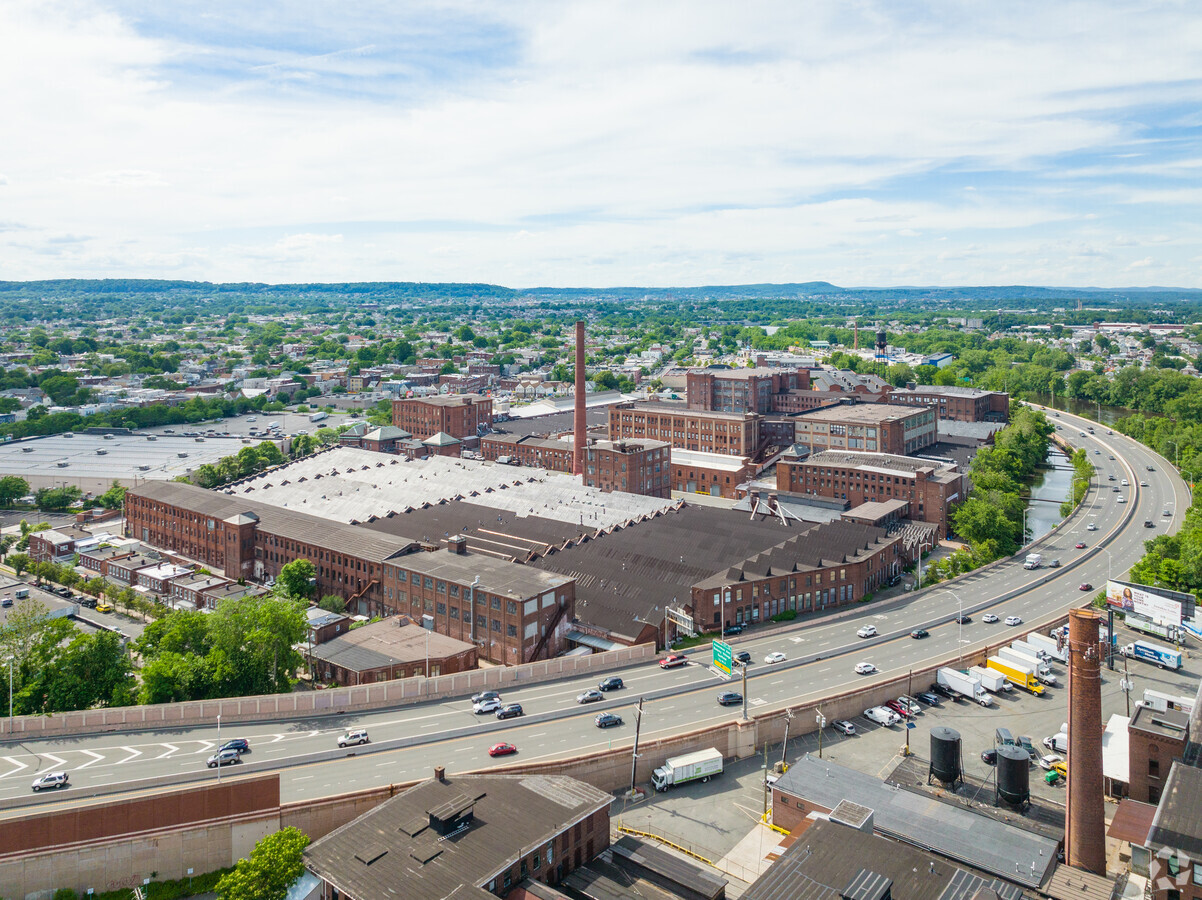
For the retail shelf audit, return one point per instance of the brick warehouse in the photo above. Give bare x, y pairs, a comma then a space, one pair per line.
459, 415
735, 434
744, 390
513, 613
874, 427
929, 487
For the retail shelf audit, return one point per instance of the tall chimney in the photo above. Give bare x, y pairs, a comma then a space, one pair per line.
1085, 837
579, 427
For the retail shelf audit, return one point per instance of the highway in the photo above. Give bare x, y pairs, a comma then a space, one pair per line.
408, 742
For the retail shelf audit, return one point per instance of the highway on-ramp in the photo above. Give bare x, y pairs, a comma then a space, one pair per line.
820, 659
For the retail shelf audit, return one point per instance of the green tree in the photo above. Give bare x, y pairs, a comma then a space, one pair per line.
19, 562
12, 488
114, 497
275, 863
332, 603
297, 579
59, 497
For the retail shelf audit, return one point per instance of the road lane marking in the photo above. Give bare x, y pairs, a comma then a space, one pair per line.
16, 762
57, 760
172, 749
208, 745
132, 754
96, 757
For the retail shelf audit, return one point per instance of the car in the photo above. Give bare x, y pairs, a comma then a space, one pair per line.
729, 698
1150, 468
1167, 513
898, 708
1025, 742
354, 737
1080, 434
607, 720
1060, 768
50, 781
989, 618
930, 698
612, 683
485, 695
1115, 489
1111, 478
589, 696
510, 711
867, 631
919, 633
882, 715
1080, 545
1097, 452
1086, 586
1148, 523
502, 749
1108, 431
224, 758
1112, 456
910, 703
672, 660
104, 608
1121, 500
1013, 620
241, 745
963, 620
743, 657
989, 757
865, 668
942, 691
88, 602
774, 657
1143, 484
486, 706
1092, 526
843, 727
1125, 483
733, 629
1046, 762
1054, 564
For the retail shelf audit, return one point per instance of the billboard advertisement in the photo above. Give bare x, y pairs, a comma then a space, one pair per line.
1138, 599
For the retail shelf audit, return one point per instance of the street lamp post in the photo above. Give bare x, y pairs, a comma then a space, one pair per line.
10, 694
219, 748
1109, 560
1176, 454
959, 625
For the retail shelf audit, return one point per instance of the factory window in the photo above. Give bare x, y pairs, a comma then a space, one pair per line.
511, 607
428, 583
441, 587
511, 631
496, 625
454, 612
496, 602
442, 609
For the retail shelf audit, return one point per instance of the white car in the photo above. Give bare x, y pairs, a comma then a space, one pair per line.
50, 781
1121, 500
843, 727
354, 737
865, 668
1143, 484
490, 705
774, 657
1125, 483
882, 715
867, 631
989, 618
1046, 762
1013, 620
1091, 527
909, 704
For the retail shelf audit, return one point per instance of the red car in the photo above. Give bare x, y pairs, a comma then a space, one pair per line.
672, 660
502, 749
899, 709
1086, 587
1080, 545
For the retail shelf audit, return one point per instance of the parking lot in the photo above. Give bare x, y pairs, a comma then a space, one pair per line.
718, 819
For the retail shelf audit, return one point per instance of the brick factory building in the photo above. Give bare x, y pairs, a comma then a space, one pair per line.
732, 434
515, 614
461, 416
389, 649
715, 474
962, 404
930, 487
1155, 739
872, 427
719, 389
641, 466
528, 450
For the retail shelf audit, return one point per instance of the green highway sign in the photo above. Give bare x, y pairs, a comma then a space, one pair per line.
722, 656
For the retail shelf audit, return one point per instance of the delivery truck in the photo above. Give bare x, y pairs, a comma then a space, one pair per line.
1160, 701
1147, 626
318, 416
1017, 674
1033, 561
1048, 646
1041, 669
965, 685
700, 766
1153, 653
1030, 649
994, 682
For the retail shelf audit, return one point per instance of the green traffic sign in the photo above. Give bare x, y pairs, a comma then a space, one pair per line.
722, 656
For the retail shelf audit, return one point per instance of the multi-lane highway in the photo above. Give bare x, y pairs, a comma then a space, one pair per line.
407, 742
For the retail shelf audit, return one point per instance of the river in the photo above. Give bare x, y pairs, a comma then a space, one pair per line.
1049, 488
1107, 415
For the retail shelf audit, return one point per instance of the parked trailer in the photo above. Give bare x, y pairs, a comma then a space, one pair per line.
964, 685
318, 416
1018, 675
1161, 701
1048, 646
700, 766
1146, 626
994, 682
1040, 668
1153, 653
1030, 649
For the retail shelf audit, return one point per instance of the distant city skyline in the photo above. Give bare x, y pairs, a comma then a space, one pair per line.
567, 144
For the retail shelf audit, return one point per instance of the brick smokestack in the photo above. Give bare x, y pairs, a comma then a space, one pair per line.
579, 426
1085, 837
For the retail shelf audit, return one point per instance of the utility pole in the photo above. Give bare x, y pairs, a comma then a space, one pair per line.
909, 693
744, 667
820, 719
785, 745
634, 753
1126, 685
765, 778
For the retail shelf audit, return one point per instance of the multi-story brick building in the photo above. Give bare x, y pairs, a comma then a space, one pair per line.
963, 404
528, 450
720, 389
58, 545
1155, 738
461, 416
871, 427
929, 487
514, 613
715, 474
824, 566
641, 466
734, 434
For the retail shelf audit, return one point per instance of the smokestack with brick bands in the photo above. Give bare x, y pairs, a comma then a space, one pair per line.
1085, 838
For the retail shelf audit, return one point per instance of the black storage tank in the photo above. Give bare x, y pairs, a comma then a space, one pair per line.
1013, 776
945, 755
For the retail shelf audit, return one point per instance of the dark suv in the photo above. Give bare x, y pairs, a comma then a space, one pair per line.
509, 711
242, 745
612, 683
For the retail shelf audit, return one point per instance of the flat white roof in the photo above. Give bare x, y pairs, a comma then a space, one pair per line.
1116, 749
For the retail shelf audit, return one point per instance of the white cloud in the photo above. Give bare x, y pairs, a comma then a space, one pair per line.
636, 143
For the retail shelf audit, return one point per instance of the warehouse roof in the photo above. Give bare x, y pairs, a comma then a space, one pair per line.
454, 835
860, 413
386, 643
1178, 821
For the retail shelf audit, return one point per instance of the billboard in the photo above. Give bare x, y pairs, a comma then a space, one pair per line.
1140, 600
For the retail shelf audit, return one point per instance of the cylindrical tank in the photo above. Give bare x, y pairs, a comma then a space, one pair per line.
945, 754
1013, 775
882, 340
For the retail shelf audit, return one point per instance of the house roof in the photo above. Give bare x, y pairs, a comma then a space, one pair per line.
389, 642
441, 439
1178, 821
396, 847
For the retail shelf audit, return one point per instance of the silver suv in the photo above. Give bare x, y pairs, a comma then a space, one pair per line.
355, 736
50, 780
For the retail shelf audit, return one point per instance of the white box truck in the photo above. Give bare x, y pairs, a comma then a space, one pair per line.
318, 416
1034, 561
1153, 653
700, 766
964, 685
992, 681
1022, 658
1048, 646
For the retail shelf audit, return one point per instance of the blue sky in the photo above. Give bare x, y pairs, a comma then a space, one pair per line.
571, 144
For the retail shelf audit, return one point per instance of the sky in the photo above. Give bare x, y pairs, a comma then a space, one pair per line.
572, 144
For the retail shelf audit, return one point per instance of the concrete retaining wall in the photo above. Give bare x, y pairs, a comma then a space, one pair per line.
336, 701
